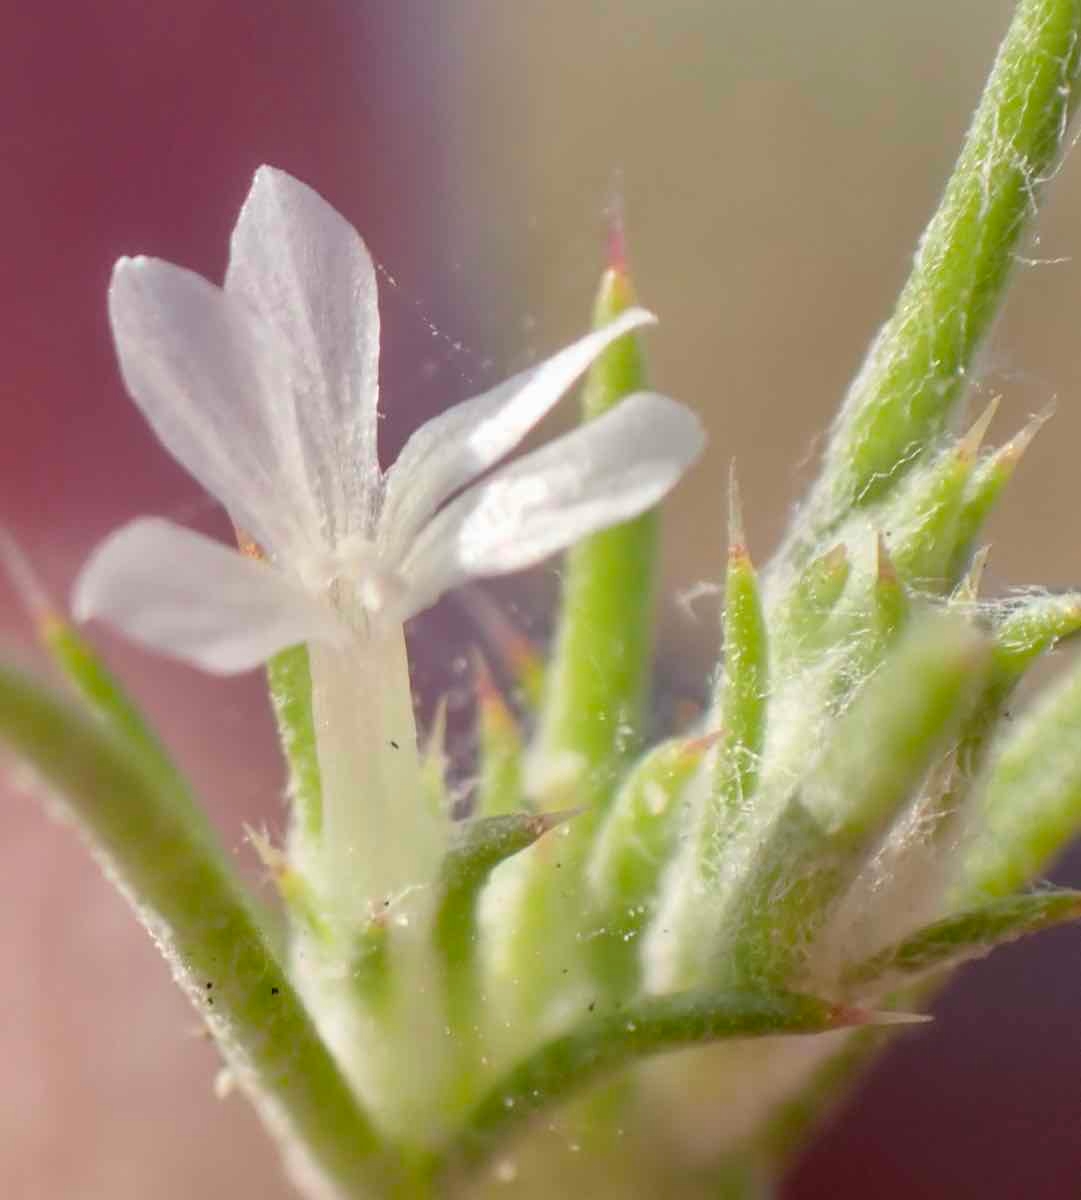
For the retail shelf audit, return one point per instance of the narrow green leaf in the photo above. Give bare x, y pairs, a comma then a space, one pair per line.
719, 809
1030, 808
590, 722
918, 366
480, 846
1029, 629
924, 519
159, 848
102, 691
84, 669
889, 607
869, 629
958, 938
881, 748
598, 678
799, 623
744, 685
636, 842
618, 1036
989, 478
1022, 632
640, 830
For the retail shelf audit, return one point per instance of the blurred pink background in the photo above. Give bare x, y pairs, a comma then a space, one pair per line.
776, 168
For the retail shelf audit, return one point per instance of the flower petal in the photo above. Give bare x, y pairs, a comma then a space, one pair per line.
205, 376
606, 471
187, 596
304, 269
452, 449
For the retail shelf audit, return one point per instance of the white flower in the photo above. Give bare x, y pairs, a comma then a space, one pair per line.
266, 391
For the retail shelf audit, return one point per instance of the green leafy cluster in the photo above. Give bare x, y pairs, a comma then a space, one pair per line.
850, 819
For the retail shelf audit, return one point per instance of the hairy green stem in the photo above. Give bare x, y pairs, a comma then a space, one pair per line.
918, 365
616, 1037
159, 849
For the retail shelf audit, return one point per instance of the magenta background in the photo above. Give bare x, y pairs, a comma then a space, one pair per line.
134, 126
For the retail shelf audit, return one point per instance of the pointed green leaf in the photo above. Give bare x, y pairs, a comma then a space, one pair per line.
636, 842
884, 743
1022, 633
744, 685
480, 846
988, 480
616, 1036
798, 623
869, 629
598, 678
641, 828
1030, 808
889, 600
103, 692
918, 366
961, 937
590, 722
1029, 629
924, 519
879, 752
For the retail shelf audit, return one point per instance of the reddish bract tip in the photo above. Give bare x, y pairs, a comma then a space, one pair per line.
617, 233
737, 539
1009, 455
845, 1016
541, 823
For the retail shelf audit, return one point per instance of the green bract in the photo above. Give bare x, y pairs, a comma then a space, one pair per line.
846, 823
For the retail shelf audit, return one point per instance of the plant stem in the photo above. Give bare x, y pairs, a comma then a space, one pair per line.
156, 845
917, 368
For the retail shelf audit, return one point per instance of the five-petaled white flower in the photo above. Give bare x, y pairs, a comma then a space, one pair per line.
266, 391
